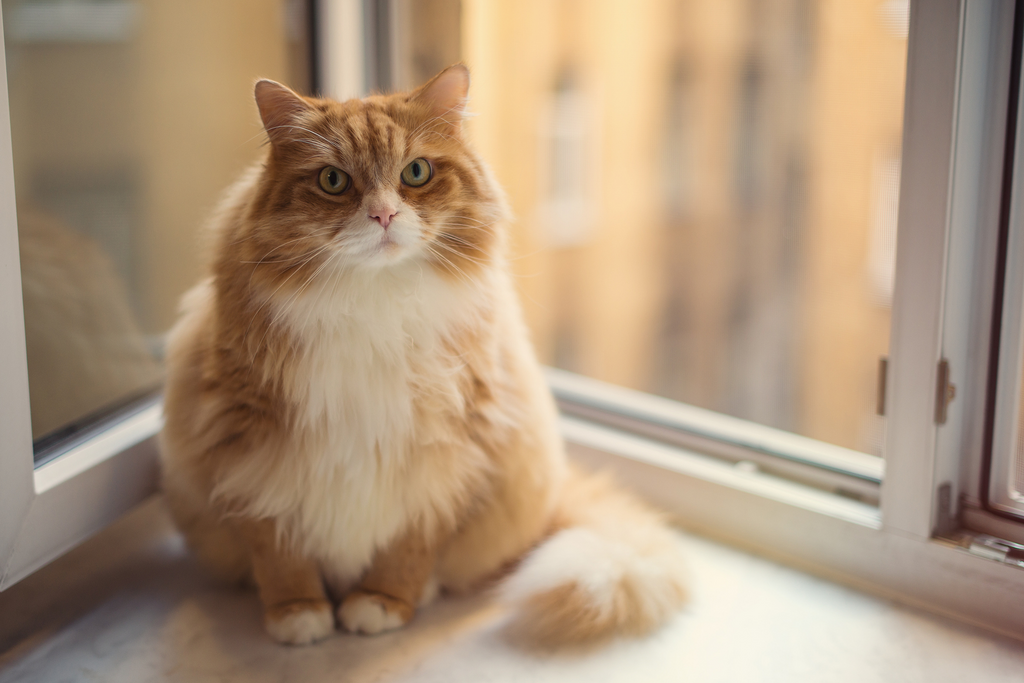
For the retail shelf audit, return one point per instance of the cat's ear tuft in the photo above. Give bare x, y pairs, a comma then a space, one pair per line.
279, 107
446, 94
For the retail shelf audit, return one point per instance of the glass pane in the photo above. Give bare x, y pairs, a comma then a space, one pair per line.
129, 118
1015, 481
1006, 470
705, 193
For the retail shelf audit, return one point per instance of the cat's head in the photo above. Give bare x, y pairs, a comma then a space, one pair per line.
376, 182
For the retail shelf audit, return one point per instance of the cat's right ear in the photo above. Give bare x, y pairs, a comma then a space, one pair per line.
279, 108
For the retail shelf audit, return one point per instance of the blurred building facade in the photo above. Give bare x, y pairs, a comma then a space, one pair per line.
719, 227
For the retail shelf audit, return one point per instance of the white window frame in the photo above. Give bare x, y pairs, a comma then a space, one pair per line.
1002, 495
889, 549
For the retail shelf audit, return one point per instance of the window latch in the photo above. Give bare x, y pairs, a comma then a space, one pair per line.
883, 374
945, 392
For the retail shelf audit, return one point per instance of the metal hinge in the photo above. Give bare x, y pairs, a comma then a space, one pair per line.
997, 549
946, 521
945, 392
883, 375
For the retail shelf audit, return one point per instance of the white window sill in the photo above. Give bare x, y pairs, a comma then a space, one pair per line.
131, 605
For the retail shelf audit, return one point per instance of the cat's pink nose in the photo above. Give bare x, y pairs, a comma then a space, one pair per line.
383, 215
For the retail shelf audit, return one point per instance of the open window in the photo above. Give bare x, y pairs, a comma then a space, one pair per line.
771, 250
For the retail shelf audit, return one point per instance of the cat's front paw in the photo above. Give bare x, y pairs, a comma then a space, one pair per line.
299, 622
372, 613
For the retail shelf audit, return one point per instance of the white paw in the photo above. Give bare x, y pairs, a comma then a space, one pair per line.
364, 614
301, 627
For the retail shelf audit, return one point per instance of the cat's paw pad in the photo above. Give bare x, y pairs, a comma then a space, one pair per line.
300, 622
373, 613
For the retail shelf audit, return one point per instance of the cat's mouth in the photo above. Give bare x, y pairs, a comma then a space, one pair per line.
385, 247
389, 246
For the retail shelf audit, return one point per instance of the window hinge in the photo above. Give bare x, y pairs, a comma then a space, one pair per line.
883, 375
945, 392
945, 516
997, 549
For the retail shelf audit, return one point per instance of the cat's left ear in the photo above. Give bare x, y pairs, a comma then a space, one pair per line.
279, 108
445, 95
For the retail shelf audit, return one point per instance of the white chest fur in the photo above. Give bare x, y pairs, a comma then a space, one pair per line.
372, 453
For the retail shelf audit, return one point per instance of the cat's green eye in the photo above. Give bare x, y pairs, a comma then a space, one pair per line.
333, 180
417, 172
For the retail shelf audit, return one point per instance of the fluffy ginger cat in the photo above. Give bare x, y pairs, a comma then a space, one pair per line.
353, 409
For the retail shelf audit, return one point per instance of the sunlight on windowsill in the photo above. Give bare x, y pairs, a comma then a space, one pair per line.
131, 605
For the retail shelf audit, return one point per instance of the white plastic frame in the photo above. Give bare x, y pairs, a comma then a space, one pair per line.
1002, 492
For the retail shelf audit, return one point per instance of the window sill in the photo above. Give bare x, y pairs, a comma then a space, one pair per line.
830, 535
818, 532
131, 605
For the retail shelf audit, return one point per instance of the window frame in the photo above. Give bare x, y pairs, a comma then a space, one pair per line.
890, 549
46, 510
984, 166
1007, 338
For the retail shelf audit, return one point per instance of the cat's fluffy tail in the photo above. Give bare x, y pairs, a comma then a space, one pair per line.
613, 567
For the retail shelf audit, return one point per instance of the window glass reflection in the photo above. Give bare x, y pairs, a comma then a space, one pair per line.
128, 120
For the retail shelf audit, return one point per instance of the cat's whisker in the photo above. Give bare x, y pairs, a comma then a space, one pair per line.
473, 224
454, 231
331, 278
460, 240
301, 257
253, 137
312, 305
451, 267
483, 228
294, 295
423, 137
337, 279
419, 135
287, 302
315, 233
474, 220
447, 265
462, 254
274, 293
458, 254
